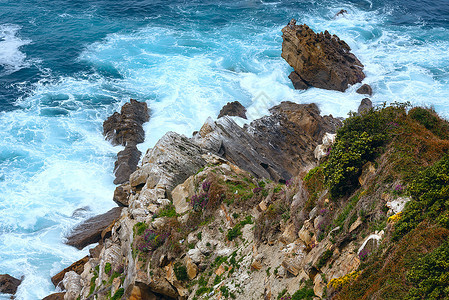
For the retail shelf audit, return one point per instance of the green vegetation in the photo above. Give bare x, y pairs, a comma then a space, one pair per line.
305, 293
107, 268
180, 271
118, 295
236, 231
324, 258
430, 191
168, 211
140, 228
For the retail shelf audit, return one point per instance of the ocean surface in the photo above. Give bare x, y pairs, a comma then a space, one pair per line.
66, 65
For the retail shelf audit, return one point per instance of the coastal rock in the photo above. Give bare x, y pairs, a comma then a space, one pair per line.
298, 82
275, 146
233, 109
365, 106
89, 231
126, 163
365, 89
320, 60
126, 127
55, 296
77, 267
72, 284
170, 162
9, 284
121, 195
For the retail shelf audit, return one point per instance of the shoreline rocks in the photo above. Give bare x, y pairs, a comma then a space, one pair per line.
320, 60
233, 109
90, 231
9, 284
125, 128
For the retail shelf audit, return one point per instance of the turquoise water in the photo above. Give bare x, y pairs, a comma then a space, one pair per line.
66, 65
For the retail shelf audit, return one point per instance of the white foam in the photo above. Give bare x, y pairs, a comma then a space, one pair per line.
11, 58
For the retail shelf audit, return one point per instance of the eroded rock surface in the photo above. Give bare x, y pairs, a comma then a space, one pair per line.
89, 231
320, 60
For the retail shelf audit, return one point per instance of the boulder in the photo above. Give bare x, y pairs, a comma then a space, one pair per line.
9, 284
126, 127
233, 109
77, 267
320, 60
126, 163
55, 296
89, 231
365, 89
365, 106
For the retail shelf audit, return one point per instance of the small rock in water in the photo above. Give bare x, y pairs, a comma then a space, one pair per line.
9, 284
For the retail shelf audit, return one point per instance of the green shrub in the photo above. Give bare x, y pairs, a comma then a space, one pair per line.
430, 275
305, 293
107, 268
430, 193
237, 229
118, 295
429, 119
140, 228
180, 271
324, 258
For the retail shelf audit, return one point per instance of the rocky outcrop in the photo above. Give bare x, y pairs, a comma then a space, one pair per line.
276, 146
365, 106
9, 284
90, 231
365, 89
125, 128
77, 267
320, 60
233, 109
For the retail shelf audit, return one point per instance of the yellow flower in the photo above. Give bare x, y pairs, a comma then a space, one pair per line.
395, 218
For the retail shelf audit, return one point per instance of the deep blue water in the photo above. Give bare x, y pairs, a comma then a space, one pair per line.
66, 65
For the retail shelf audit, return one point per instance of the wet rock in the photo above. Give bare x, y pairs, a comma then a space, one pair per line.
55, 296
9, 284
126, 163
126, 127
342, 12
365, 106
298, 82
233, 109
365, 89
89, 232
77, 267
321, 60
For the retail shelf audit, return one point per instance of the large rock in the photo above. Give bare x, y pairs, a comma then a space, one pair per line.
126, 163
277, 146
320, 60
365, 89
55, 296
77, 267
9, 284
126, 127
233, 109
89, 232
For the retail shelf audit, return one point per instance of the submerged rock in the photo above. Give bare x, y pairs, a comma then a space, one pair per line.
233, 109
9, 284
320, 60
89, 232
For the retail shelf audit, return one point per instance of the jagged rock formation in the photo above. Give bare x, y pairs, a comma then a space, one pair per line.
125, 128
233, 109
320, 60
276, 146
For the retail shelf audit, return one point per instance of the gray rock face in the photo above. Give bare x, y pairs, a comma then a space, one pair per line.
90, 231
170, 162
233, 109
9, 284
275, 146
